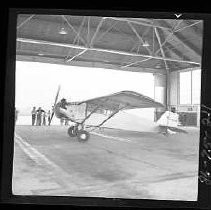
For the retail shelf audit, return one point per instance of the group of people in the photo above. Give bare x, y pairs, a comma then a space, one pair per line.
40, 117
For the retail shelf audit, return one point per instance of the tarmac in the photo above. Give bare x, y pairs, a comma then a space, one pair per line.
112, 163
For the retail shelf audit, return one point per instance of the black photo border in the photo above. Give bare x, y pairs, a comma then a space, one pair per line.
8, 87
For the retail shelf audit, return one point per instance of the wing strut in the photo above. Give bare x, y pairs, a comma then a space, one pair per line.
89, 115
109, 117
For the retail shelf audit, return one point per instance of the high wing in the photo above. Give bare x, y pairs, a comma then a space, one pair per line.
122, 101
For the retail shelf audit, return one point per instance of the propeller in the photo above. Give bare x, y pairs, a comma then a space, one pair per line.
56, 98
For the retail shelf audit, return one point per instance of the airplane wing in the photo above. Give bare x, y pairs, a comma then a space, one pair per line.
123, 100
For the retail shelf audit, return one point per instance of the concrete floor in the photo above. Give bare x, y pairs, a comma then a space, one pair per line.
113, 163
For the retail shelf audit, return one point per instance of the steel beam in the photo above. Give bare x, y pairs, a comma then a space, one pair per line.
146, 31
170, 48
137, 22
91, 64
25, 21
32, 41
130, 64
168, 37
137, 51
77, 34
146, 20
188, 44
179, 40
180, 29
83, 51
80, 53
139, 37
162, 52
108, 29
95, 34
79, 30
134, 47
88, 29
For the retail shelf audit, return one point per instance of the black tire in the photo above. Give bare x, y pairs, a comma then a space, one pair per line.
83, 136
71, 131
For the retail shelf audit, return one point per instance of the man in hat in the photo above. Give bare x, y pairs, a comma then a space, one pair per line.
39, 116
33, 113
61, 107
63, 104
49, 117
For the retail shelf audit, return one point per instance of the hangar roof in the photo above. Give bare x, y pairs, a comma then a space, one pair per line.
130, 44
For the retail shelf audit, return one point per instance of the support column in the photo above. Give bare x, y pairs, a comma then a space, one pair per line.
160, 93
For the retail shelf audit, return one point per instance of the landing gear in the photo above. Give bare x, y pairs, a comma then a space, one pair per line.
71, 131
82, 136
77, 131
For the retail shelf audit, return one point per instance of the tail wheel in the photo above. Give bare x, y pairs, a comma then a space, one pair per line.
82, 135
71, 131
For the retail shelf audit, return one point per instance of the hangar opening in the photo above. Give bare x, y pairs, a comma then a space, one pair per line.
140, 77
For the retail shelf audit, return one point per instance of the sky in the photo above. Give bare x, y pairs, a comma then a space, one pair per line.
37, 83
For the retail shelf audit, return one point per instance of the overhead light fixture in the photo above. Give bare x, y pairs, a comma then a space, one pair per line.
40, 54
145, 44
62, 31
157, 66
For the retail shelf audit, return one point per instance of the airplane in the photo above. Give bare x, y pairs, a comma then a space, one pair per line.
168, 123
108, 105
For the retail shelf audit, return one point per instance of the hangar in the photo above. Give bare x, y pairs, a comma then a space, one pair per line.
170, 49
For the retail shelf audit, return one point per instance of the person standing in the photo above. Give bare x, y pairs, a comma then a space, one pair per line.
64, 113
33, 113
62, 108
44, 118
49, 117
39, 116
66, 122
61, 120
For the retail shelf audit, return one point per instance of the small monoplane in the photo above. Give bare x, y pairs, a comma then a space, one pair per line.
109, 106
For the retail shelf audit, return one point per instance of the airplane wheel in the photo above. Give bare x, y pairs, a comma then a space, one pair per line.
71, 131
83, 135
